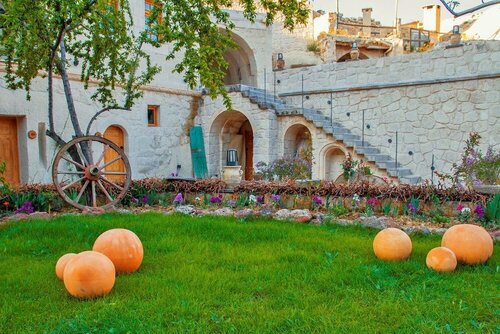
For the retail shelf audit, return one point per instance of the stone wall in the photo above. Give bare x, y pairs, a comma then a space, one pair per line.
153, 151
433, 100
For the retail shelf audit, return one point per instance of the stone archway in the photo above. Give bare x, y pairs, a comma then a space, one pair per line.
231, 130
298, 142
334, 158
242, 65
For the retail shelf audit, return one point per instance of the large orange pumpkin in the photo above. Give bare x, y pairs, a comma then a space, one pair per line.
89, 274
392, 244
471, 244
61, 264
441, 259
123, 247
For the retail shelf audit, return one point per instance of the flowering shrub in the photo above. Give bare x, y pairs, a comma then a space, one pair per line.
216, 199
27, 207
179, 199
349, 167
318, 201
463, 213
476, 168
285, 168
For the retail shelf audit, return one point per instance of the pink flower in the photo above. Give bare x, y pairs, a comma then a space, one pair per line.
460, 207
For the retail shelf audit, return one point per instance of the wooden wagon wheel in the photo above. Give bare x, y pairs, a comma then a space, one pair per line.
91, 172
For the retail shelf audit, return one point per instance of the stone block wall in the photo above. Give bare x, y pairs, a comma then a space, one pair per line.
152, 151
433, 100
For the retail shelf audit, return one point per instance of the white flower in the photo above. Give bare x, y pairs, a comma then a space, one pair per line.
355, 198
252, 199
465, 211
197, 199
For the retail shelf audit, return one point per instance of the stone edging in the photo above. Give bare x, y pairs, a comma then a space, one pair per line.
297, 216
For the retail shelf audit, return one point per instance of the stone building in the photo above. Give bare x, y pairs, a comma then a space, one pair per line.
433, 100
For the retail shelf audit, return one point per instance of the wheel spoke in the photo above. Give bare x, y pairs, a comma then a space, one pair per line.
102, 155
111, 183
81, 191
104, 191
70, 173
94, 196
111, 162
80, 153
72, 183
73, 162
113, 173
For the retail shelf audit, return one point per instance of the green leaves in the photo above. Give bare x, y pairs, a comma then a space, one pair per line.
101, 36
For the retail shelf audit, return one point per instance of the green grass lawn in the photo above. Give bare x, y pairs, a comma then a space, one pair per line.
218, 275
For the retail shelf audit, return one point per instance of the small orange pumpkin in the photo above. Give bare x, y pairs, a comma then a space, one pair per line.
61, 264
471, 244
441, 259
123, 247
392, 244
89, 274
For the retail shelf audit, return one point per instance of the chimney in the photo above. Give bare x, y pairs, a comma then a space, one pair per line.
432, 18
367, 21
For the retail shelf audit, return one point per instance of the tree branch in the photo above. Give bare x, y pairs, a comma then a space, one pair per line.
99, 113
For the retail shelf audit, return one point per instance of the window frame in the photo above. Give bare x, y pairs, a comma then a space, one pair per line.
156, 115
147, 14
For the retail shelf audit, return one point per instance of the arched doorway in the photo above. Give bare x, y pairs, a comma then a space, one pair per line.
231, 130
117, 136
334, 158
242, 66
298, 142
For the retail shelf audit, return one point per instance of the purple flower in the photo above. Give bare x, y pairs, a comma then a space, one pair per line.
260, 199
469, 160
26, 207
477, 182
275, 197
372, 201
412, 208
216, 199
135, 200
174, 174
317, 200
178, 198
479, 211
145, 199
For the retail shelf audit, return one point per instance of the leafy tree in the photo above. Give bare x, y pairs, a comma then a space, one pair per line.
42, 37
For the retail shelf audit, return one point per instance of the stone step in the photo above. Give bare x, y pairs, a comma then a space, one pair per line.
400, 172
367, 150
265, 100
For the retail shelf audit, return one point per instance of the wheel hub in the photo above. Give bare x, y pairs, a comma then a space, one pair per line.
92, 173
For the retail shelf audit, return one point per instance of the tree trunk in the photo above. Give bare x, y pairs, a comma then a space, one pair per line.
67, 92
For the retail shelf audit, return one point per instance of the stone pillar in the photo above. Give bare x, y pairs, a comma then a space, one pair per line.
367, 21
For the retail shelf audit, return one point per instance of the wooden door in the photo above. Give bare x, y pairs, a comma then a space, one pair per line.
115, 134
198, 152
9, 150
248, 135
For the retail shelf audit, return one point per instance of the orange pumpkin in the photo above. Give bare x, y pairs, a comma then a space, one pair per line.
471, 244
89, 274
123, 248
392, 244
61, 264
441, 259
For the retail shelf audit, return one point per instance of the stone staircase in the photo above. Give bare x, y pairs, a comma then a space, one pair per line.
336, 130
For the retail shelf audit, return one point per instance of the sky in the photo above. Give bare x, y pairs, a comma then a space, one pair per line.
384, 10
